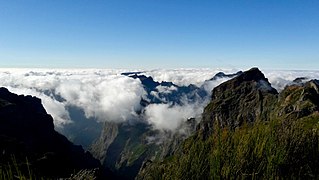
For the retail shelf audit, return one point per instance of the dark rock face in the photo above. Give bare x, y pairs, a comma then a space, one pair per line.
27, 131
247, 99
243, 99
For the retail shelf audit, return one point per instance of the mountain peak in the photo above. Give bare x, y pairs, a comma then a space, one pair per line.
253, 78
239, 100
253, 74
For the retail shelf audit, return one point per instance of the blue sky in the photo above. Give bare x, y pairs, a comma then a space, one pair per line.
271, 34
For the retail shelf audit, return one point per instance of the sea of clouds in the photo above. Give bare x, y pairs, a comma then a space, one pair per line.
107, 95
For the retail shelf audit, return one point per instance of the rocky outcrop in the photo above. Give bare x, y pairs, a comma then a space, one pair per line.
27, 132
244, 99
249, 130
298, 100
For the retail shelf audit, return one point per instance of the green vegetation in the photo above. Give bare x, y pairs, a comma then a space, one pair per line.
250, 133
136, 153
280, 148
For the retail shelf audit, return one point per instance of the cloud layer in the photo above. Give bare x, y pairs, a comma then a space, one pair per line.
106, 95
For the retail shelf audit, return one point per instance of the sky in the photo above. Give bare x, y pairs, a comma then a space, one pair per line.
150, 34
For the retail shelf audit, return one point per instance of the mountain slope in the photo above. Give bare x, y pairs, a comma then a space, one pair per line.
124, 147
27, 132
248, 130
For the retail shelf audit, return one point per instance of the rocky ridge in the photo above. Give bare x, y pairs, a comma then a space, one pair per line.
249, 130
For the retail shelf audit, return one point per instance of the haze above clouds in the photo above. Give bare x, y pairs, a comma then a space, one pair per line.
107, 95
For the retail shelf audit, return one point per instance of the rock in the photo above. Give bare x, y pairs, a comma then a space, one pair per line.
27, 131
290, 118
244, 99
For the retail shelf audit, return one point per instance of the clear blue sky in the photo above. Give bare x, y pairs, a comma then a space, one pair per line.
272, 34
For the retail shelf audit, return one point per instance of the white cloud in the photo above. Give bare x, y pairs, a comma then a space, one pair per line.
280, 79
210, 85
184, 77
108, 96
165, 89
103, 94
167, 117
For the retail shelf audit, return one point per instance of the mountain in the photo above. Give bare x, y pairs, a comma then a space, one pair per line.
124, 147
249, 130
244, 99
168, 92
27, 136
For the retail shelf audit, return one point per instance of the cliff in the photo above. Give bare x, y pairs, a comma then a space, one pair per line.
27, 134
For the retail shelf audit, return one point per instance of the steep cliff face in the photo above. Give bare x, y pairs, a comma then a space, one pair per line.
27, 131
107, 137
246, 98
249, 130
123, 147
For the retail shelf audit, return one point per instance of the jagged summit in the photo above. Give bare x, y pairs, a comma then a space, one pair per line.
252, 75
148, 82
243, 99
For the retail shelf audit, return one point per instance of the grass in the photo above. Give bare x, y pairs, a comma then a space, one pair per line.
136, 153
269, 150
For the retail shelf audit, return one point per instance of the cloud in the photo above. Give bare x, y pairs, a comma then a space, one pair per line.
210, 85
165, 89
103, 94
184, 77
280, 79
107, 98
106, 95
167, 117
